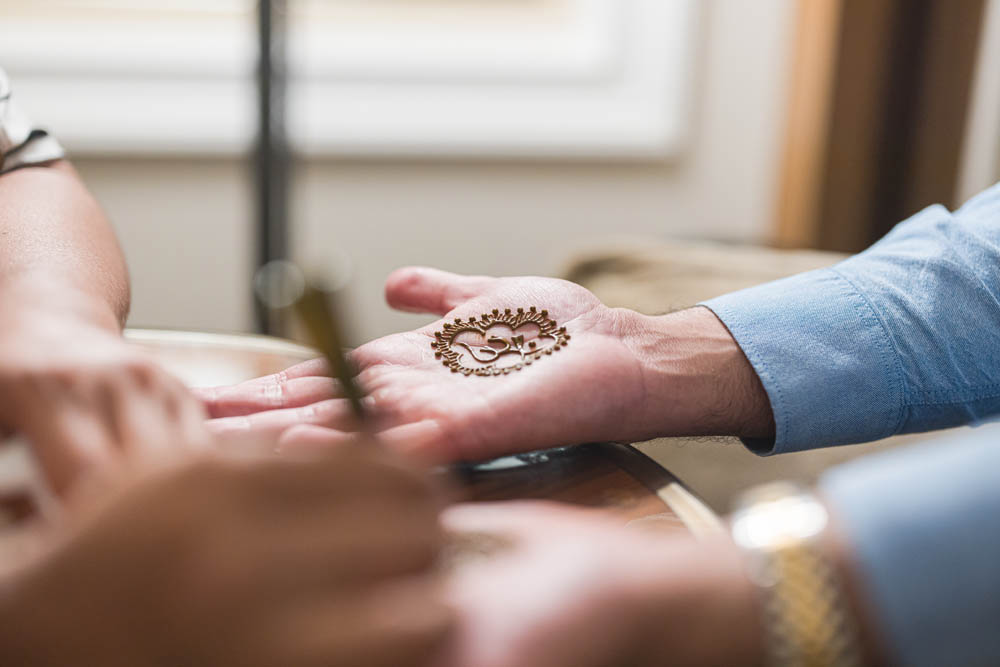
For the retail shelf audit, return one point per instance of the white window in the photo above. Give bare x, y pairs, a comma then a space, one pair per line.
522, 78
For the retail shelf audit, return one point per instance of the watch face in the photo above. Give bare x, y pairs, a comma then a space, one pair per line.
778, 522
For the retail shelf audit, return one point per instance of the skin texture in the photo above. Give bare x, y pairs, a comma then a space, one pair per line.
577, 589
572, 588
68, 382
305, 561
623, 377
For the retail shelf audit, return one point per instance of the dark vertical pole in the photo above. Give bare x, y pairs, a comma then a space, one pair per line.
272, 156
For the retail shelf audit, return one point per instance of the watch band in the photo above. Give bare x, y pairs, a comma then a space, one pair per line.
806, 619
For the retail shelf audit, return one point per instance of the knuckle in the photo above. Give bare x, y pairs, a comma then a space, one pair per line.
275, 391
56, 376
299, 432
280, 393
141, 371
386, 398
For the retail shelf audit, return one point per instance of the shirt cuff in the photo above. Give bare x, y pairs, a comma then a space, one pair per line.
922, 526
824, 357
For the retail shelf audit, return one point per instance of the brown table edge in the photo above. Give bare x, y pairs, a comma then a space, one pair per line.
682, 501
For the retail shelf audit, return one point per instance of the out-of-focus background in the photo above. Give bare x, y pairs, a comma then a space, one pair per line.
500, 136
581, 138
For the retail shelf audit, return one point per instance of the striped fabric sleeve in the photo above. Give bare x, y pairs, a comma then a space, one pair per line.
21, 143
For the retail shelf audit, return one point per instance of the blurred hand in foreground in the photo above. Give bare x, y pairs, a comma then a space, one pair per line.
624, 376
578, 589
79, 393
305, 561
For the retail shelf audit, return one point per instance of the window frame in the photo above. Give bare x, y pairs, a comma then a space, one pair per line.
621, 86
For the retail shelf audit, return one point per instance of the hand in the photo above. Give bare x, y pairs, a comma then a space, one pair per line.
79, 393
578, 589
594, 389
299, 563
623, 377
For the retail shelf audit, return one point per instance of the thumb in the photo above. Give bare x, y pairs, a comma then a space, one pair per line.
422, 289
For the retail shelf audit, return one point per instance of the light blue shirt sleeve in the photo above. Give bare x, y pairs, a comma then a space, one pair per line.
924, 525
903, 337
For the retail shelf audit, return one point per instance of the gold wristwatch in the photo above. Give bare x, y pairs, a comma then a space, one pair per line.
806, 619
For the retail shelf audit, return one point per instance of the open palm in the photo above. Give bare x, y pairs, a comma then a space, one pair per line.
586, 391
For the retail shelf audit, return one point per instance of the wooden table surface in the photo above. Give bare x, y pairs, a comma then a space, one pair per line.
617, 478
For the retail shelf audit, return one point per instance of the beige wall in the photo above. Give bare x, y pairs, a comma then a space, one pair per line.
186, 224
186, 230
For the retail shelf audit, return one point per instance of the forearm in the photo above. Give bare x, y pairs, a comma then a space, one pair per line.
697, 380
899, 338
58, 247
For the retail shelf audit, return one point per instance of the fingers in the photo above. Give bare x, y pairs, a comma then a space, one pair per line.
419, 440
311, 440
311, 563
272, 392
70, 442
485, 517
313, 367
356, 514
346, 474
333, 413
191, 421
423, 440
154, 415
514, 517
426, 290
143, 425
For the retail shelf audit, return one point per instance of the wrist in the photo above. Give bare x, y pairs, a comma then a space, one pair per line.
696, 378
809, 599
